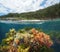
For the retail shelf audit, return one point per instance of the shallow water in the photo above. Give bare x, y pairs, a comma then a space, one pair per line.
46, 26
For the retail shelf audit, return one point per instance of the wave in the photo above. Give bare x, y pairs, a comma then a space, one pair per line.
23, 21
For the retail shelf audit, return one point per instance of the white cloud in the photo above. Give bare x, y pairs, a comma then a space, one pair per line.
4, 10
51, 2
24, 5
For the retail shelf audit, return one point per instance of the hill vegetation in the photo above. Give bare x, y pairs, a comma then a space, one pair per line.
50, 12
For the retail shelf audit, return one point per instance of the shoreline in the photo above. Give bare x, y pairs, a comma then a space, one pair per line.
24, 21
35, 21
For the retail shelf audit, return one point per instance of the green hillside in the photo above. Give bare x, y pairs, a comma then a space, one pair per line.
50, 12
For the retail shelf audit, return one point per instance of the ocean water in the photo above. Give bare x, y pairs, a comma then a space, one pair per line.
47, 26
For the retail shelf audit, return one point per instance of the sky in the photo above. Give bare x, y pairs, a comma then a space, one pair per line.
21, 6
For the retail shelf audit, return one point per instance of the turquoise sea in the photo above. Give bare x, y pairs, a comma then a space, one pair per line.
46, 26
